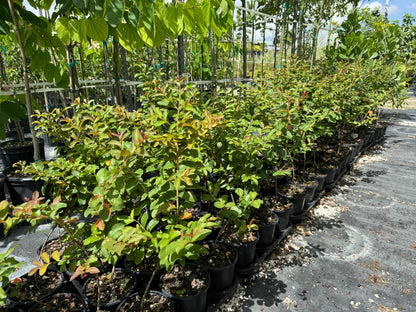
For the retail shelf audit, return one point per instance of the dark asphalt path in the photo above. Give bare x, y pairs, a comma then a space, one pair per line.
358, 252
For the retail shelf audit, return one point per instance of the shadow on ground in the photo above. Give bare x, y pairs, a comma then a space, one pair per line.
267, 295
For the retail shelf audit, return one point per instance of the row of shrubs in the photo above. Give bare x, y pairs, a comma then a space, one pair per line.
133, 183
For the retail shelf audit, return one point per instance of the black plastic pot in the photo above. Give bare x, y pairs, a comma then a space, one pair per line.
266, 233
54, 301
246, 254
222, 277
298, 202
310, 189
330, 172
11, 155
143, 277
23, 306
170, 305
112, 305
192, 303
21, 187
320, 179
283, 215
2, 182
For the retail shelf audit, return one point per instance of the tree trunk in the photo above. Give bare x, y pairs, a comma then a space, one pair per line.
295, 16
28, 96
116, 52
300, 36
4, 80
263, 48
243, 4
275, 47
252, 49
61, 94
109, 94
73, 77
181, 56
126, 77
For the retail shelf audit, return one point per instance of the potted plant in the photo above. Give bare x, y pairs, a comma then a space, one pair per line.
219, 261
9, 266
237, 228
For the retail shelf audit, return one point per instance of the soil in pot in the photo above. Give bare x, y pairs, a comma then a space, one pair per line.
154, 302
35, 287
113, 288
61, 302
313, 173
13, 151
296, 195
188, 286
282, 208
220, 262
55, 244
309, 185
245, 246
21, 186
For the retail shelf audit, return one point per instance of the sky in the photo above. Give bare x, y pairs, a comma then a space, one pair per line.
396, 8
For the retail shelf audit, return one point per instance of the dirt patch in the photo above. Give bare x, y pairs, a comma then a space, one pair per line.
372, 265
410, 103
377, 279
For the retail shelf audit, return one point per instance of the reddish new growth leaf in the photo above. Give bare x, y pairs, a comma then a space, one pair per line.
16, 281
100, 224
56, 200
83, 269
186, 215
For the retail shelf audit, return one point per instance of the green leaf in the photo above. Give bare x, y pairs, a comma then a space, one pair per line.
134, 15
80, 4
4, 209
219, 204
128, 37
29, 17
62, 30
97, 8
96, 28
50, 72
102, 175
174, 17
62, 7
30, 45
13, 109
78, 30
91, 239
115, 9
39, 60
147, 29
